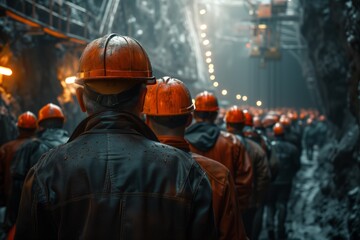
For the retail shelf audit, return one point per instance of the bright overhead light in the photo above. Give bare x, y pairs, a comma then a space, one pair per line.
224, 92
211, 70
215, 84
203, 27
258, 103
208, 53
211, 65
238, 96
202, 11
5, 71
206, 42
193, 101
70, 80
208, 60
262, 26
203, 35
244, 98
212, 77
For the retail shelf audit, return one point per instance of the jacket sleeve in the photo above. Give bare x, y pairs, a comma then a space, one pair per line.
243, 177
262, 174
26, 221
274, 164
33, 221
231, 224
202, 223
19, 168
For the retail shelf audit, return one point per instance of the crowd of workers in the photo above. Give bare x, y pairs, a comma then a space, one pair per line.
147, 162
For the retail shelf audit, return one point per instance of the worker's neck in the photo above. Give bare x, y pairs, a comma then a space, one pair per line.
161, 130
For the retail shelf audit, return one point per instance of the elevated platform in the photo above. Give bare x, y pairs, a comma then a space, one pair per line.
60, 19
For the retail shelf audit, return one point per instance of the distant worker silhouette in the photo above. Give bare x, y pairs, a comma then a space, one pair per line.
280, 188
235, 122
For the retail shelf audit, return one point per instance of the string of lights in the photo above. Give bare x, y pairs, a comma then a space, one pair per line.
204, 38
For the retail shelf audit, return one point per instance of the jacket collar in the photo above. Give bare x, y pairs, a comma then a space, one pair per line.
175, 141
116, 121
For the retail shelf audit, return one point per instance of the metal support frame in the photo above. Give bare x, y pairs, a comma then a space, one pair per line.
50, 20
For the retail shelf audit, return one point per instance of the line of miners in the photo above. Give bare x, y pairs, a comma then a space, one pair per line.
176, 175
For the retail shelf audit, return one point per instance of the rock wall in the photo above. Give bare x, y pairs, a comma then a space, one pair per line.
331, 30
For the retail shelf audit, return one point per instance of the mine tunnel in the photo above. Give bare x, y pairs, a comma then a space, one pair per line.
202, 119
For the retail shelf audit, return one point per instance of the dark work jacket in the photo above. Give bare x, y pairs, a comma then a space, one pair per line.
289, 161
261, 171
7, 153
208, 140
259, 138
26, 157
113, 180
226, 210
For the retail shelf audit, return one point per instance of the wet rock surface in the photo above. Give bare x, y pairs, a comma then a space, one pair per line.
331, 32
315, 211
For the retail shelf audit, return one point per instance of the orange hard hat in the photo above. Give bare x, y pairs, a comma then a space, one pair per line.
293, 116
27, 120
234, 115
248, 118
206, 102
168, 97
278, 129
114, 57
269, 120
285, 121
50, 110
257, 122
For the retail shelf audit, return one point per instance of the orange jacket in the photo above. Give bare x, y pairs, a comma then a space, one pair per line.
228, 150
226, 210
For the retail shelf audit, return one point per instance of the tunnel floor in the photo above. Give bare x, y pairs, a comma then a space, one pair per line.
301, 218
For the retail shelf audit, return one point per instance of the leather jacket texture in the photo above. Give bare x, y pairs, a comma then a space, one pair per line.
261, 171
27, 156
114, 180
227, 149
226, 211
289, 161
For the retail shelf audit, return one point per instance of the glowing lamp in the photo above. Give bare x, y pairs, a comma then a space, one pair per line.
5, 71
70, 80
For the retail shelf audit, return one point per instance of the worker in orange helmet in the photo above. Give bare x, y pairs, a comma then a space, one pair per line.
168, 108
50, 135
280, 188
322, 131
26, 125
268, 122
235, 121
290, 134
207, 139
113, 179
310, 138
